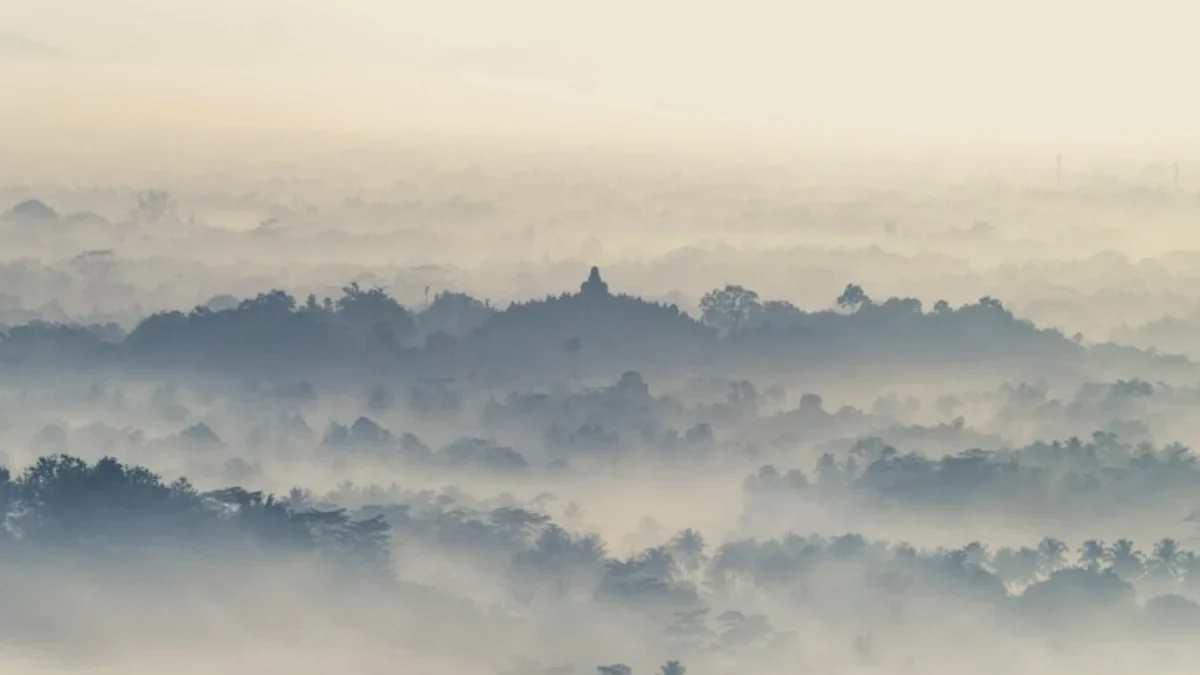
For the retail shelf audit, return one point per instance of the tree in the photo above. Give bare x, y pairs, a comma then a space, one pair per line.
976, 554
373, 308
853, 298
904, 305
1075, 592
687, 549
780, 313
454, 313
269, 304
812, 403
32, 211
1092, 555
1052, 554
730, 308
90, 508
615, 669
673, 668
1165, 561
1189, 569
1018, 566
1126, 560
988, 302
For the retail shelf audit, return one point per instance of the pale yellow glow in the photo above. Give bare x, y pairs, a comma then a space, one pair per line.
873, 70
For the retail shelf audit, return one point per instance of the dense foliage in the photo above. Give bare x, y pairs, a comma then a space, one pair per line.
591, 331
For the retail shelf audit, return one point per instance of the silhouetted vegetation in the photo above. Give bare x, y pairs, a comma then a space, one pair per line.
366, 328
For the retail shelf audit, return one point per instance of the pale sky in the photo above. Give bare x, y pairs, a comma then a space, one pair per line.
921, 67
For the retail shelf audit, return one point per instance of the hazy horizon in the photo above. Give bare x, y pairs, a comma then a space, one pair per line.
626, 338
1065, 76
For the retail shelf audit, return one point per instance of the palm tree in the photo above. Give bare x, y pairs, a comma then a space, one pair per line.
1052, 554
1189, 568
1126, 560
673, 668
1165, 561
1092, 555
687, 548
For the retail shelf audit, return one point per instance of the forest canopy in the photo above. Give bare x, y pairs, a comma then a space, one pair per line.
593, 331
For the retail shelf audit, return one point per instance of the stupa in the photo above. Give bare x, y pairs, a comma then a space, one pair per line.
594, 286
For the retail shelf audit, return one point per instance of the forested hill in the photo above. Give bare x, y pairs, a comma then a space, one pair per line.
593, 331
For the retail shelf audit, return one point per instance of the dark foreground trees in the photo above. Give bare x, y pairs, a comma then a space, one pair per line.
65, 505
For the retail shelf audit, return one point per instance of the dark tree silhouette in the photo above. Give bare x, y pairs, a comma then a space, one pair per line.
1092, 555
673, 668
853, 298
64, 504
730, 308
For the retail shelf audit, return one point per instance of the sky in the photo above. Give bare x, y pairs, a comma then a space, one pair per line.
923, 69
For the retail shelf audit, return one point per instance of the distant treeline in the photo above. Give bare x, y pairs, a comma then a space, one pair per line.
574, 334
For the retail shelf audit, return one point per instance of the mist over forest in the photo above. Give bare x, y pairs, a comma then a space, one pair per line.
364, 338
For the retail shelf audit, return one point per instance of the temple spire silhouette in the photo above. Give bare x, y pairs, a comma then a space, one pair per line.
594, 286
